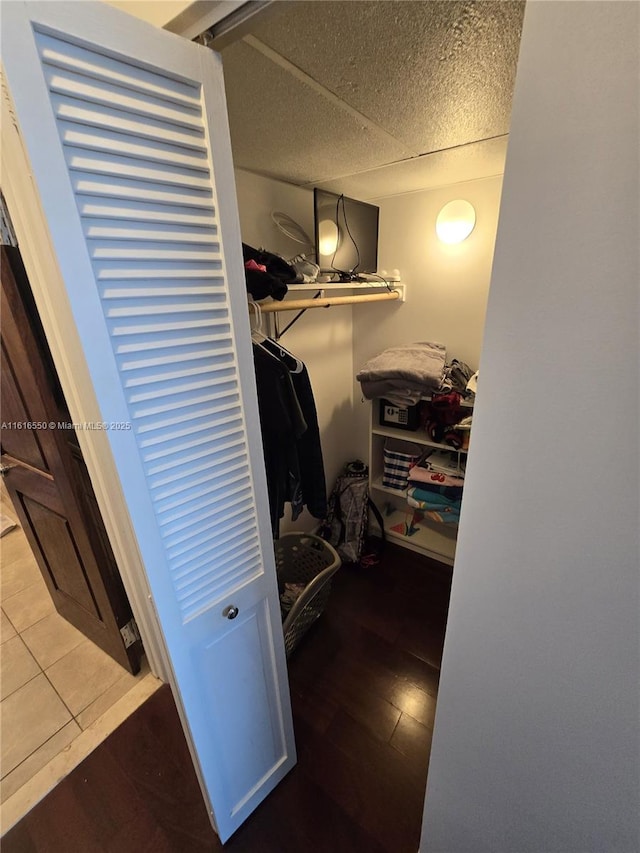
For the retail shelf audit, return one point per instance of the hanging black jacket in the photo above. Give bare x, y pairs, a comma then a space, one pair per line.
290, 434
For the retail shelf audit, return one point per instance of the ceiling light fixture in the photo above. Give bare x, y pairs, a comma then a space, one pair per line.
455, 221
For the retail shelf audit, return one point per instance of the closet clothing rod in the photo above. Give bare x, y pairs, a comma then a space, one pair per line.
326, 301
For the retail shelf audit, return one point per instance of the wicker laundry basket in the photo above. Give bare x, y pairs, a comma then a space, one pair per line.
304, 558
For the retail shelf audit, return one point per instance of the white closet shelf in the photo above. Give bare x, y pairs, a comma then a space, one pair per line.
345, 285
432, 539
417, 437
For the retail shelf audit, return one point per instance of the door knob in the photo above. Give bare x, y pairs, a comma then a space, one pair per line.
230, 612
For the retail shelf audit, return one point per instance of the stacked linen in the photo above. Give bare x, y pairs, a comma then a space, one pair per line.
435, 487
458, 377
403, 374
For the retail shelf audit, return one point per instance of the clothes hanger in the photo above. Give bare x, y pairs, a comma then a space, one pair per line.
292, 363
274, 348
257, 335
258, 338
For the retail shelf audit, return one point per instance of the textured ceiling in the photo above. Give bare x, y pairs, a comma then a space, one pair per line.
374, 97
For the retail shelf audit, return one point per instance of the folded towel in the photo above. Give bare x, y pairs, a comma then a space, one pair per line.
397, 392
435, 506
417, 366
431, 491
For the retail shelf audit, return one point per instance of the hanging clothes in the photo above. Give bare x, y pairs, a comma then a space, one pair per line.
290, 433
311, 466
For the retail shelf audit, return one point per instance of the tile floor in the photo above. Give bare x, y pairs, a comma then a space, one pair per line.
54, 683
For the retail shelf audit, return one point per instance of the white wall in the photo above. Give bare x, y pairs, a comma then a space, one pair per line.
447, 286
321, 337
536, 737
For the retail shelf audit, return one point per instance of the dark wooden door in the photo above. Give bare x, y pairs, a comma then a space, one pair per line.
49, 485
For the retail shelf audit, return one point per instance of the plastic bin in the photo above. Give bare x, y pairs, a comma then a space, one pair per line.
304, 558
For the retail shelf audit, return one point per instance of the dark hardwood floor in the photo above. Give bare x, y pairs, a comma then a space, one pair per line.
364, 683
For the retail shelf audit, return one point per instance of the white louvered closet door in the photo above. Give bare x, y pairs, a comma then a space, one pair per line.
125, 127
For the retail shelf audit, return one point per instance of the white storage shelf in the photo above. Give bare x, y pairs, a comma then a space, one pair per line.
427, 537
416, 437
343, 285
437, 541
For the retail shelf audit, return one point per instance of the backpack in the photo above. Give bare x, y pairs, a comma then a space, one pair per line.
346, 523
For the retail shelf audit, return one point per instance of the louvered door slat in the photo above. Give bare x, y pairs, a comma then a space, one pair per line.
132, 292
109, 118
104, 141
116, 187
86, 90
190, 440
158, 272
193, 519
170, 508
211, 380
91, 65
226, 543
195, 453
177, 435
132, 211
209, 464
196, 569
113, 229
206, 502
120, 166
